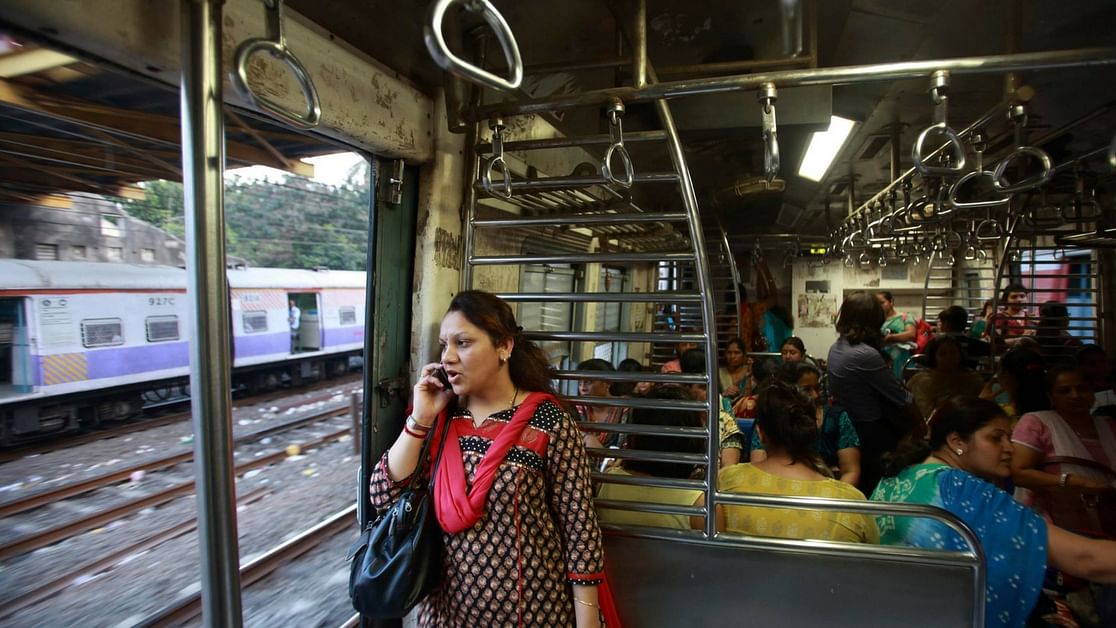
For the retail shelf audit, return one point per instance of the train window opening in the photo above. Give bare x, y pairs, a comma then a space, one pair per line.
162, 328
112, 226
347, 315
102, 332
255, 322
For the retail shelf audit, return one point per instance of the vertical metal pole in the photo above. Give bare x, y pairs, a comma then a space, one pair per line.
1106, 298
639, 45
354, 414
203, 163
896, 152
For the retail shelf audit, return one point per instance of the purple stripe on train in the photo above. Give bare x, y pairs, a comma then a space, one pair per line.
344, 335
130, 360
253, 345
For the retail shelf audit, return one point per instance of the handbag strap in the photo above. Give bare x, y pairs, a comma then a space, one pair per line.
417, 475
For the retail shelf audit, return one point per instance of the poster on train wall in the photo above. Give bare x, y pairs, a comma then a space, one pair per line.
56, 323
816, 309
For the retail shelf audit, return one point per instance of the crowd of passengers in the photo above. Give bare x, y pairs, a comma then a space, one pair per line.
1026, 457
1026, 462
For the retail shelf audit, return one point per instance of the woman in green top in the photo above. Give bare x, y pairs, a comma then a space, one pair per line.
899, 334
980, 325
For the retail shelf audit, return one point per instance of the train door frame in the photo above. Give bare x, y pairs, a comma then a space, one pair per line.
387, 328
17, 362
302, 300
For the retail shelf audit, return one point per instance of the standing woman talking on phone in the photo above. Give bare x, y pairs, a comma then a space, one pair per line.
512, 492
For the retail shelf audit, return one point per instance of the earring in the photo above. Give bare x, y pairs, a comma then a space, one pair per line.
960, 451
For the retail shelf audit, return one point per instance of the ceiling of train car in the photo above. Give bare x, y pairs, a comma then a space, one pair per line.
66, 125
723, 143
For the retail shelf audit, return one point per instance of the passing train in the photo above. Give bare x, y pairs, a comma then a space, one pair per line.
604, 166
91, 343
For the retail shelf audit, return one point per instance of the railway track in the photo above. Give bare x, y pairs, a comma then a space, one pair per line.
43, 498
15, 453
49, 536
102, 563
189, 606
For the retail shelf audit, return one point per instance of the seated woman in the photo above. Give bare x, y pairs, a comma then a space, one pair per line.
1020, 385
837, 445
647, 468
793, 350
598, 414
788, 429
1065, 463
736, 375
732, 444
968, 448
945, 378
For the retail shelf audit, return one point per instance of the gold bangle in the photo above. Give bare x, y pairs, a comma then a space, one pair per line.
584, 603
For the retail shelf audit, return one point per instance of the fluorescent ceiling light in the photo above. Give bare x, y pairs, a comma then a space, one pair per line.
823, 148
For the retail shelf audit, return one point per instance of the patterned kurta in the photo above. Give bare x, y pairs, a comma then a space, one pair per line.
539, 534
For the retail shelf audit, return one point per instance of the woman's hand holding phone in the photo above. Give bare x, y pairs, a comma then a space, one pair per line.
431, 394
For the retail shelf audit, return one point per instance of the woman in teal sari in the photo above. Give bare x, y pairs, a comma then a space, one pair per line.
969, 447
898, 334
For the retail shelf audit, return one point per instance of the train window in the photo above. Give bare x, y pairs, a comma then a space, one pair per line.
115, 253
255, 322
348, 315
147, 255
548, 316
162, 328
610, 316
77, 251
102, 332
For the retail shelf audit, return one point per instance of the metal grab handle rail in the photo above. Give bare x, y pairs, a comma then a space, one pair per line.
767, 95
276, 45
444, 57
615, 114
939, 86
496, 162
1018, 115
977, 142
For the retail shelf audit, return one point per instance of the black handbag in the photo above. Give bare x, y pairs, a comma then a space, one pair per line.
397, 560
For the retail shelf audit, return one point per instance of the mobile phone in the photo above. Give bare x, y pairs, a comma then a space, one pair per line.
440, 374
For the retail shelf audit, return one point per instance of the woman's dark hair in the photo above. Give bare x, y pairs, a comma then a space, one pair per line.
887, 295
1027, 367
984, 308
1057, 371
1087, 350
930, 358
791, 372
621, 389
1053, 317
663, 417
788, 423
960, 415
527, 366
739, 342
860, 319
692, 361
956, 317
795, 342
595, 364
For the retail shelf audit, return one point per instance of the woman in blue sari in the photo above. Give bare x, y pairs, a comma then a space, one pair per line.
969, 447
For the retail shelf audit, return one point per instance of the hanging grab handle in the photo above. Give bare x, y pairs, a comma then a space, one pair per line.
444, 57
939, 86
615, 114
1018, 115
978, 148
767, 96
496, 163
276, 45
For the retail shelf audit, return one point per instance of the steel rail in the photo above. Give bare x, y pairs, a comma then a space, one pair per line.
102, 563
43, 498
34, 541
840, 75
189, 606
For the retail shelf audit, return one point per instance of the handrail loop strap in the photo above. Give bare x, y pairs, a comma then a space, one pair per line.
439, 50
1018, 115
939, 88
767, 95
615, 113
275, 44
497, 163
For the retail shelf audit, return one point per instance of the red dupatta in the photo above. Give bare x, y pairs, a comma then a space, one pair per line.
458, 507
